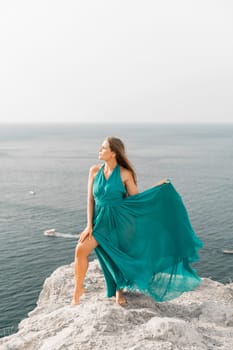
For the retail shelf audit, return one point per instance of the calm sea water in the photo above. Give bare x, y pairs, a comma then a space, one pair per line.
53, 161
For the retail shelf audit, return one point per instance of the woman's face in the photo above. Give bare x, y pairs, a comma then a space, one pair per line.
105, 152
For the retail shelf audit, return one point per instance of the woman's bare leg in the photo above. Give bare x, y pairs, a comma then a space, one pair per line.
82, 251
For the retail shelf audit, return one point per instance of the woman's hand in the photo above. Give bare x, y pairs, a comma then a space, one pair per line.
163, 181
87, 233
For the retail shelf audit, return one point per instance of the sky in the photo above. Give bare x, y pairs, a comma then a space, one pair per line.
110, 61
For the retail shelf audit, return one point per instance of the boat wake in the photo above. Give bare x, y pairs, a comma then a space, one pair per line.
53, 233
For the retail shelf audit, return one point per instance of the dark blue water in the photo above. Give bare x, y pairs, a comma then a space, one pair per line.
53, 161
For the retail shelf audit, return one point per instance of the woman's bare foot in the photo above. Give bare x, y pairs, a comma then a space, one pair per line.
77, 295
120, 299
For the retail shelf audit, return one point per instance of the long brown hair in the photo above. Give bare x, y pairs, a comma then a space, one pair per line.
118, 147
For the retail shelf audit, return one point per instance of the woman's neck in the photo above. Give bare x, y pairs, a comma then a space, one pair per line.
110, 165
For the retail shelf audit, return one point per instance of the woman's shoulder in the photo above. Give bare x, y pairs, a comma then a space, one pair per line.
125, 173
94, 169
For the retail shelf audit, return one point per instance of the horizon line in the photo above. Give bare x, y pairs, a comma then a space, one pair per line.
114, 123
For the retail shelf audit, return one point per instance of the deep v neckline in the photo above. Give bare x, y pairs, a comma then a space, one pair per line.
107, 179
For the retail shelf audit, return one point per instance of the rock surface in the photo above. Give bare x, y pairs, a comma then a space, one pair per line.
201, 319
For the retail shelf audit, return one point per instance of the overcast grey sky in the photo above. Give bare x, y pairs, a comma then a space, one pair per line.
116, 61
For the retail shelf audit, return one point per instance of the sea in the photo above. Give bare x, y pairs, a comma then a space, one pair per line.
43, 185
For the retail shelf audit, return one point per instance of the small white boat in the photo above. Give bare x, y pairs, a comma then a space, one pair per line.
50, 232
227, 251
32, 192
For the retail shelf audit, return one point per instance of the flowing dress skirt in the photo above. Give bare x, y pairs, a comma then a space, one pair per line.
146, 241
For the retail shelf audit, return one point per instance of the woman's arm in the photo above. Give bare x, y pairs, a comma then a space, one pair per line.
128, 181
90, 198
130, 185
90, 204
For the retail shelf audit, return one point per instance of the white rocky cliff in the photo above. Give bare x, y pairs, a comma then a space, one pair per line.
201, 319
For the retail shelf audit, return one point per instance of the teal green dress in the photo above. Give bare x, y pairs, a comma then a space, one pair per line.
146, 241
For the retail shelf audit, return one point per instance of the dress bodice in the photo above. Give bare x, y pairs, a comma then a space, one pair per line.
109, 191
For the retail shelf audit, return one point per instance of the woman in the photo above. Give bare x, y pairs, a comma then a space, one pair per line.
144, 241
